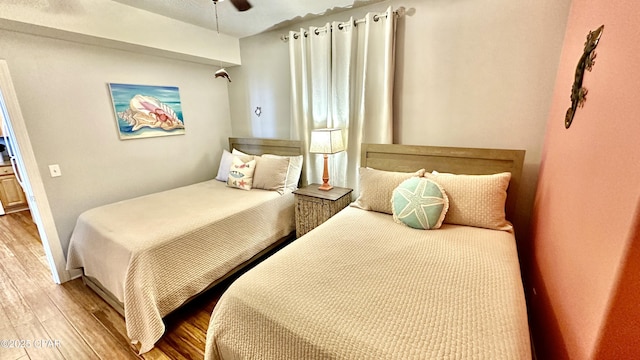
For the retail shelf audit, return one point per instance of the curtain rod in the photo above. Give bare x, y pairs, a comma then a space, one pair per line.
399, 12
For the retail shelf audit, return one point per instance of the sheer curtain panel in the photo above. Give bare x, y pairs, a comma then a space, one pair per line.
342, 77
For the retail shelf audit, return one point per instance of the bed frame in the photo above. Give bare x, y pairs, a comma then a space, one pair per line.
471, 161
254, 146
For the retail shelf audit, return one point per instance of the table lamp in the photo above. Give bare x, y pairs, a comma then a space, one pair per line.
326, 141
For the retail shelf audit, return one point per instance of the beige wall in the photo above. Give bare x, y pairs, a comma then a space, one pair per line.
64, 97
469, 73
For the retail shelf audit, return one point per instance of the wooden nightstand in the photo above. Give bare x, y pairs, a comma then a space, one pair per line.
313, 206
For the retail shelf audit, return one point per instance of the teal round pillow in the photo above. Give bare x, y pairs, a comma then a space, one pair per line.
419, 203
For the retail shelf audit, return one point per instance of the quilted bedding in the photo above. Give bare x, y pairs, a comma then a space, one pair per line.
361, 286
155, 252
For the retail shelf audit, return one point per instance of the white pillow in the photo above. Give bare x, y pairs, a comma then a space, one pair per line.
225, 164
240, 153
293, 172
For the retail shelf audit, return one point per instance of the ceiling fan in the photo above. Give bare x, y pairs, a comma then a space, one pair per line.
241, 5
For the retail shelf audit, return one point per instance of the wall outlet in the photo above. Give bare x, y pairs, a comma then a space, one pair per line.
54, 170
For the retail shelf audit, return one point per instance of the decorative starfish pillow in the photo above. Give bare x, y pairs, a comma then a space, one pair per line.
419, 203
241, 174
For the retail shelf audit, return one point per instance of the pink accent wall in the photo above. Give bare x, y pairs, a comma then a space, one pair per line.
585, 227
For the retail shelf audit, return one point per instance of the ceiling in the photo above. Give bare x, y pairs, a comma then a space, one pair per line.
263, 16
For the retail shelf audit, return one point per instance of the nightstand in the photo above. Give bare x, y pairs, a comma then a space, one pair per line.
313, 206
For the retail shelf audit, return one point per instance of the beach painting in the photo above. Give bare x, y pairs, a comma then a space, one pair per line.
147, 111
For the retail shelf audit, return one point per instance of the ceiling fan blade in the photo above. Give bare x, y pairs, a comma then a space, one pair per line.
241, 5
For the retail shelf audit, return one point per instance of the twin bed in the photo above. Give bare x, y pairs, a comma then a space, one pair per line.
358, 286
149, 255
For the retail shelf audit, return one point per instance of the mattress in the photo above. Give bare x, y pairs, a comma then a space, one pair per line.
360, 286
154, 252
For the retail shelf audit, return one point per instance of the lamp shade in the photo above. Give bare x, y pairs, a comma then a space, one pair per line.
326, 141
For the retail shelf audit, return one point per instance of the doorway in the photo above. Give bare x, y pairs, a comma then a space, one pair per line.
24, 165
12, 197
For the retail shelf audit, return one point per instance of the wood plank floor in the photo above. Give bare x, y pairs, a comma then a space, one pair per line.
70, 321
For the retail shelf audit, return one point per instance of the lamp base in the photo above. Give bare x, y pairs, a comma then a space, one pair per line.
325, 176
325, 187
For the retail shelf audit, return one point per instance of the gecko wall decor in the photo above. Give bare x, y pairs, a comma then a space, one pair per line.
578, 92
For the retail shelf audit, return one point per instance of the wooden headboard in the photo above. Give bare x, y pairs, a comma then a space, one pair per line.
471, 161
255, 146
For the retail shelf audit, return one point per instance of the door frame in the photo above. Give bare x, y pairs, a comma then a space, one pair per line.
31, 179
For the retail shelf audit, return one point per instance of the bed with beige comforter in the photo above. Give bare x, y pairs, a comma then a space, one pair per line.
155, 252
361, 286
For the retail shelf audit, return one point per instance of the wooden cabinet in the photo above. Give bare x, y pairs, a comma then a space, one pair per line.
11, 193
313, 206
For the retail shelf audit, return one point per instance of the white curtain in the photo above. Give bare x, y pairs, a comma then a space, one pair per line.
342, 77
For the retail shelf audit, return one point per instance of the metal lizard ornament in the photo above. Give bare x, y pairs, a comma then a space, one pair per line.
578, 92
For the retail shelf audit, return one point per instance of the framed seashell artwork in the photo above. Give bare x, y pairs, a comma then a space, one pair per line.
143, 111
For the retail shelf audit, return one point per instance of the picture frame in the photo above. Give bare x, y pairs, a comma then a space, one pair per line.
143, 111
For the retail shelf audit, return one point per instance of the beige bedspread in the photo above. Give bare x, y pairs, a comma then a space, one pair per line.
363, 287
155, 252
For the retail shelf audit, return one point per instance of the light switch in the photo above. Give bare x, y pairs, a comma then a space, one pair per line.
54, 170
